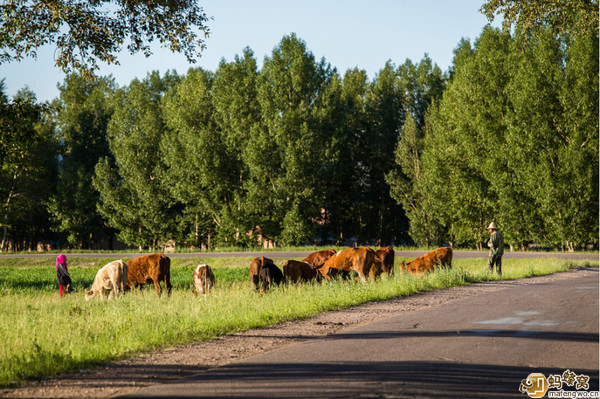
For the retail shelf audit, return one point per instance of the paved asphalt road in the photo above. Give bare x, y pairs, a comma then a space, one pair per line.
302, 254
480, 346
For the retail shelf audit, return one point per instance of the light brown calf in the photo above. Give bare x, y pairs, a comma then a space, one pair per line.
111, 279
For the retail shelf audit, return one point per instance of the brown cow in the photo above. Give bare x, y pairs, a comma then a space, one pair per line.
385, 256
204, 279
255, 265
296, 271
148, 269
317, 259
428, 262
357, 259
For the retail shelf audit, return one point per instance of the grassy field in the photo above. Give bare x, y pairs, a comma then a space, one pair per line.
43, 335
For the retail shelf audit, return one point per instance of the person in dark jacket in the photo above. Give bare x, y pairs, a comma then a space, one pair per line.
496, 245
62, 275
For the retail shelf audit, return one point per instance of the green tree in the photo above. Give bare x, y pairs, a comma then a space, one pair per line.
27, 170
133, 196
82, 115
197, 158
378, 214
464, 150
286, 151
553, 139
345, 182
421, 84
85, 32
573, 16
237, 114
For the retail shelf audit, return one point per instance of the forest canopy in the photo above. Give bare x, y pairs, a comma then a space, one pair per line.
296, 152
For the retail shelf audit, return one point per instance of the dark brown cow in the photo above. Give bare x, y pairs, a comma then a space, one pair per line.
429, 261
255, 265
385, 256
268, 276
357, 259
317, 259
376, 269
148, 269
295, 271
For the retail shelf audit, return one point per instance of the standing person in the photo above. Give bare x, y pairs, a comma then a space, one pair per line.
62, 275
496, 245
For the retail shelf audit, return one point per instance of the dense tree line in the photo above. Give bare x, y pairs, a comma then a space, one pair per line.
295, 152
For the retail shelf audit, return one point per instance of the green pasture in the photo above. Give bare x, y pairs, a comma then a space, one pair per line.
43, 335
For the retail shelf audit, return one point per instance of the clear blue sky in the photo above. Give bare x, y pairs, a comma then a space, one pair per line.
347, 33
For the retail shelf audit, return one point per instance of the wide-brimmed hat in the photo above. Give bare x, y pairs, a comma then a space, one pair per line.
492, 226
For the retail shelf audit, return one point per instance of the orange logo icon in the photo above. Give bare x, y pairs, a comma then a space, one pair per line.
535, 385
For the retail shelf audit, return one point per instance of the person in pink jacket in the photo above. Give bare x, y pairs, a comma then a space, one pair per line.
62, 275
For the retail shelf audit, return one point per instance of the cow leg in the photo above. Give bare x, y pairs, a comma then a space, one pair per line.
115, 289
168, 284
157, 286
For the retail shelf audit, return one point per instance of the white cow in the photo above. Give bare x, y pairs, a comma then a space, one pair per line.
204, 279
110, 279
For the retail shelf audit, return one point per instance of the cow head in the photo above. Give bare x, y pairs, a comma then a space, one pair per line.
403, 266
89, 294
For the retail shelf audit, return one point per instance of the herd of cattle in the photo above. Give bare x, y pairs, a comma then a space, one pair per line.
118, 276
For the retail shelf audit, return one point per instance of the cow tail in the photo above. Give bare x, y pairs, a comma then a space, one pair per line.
205, 280
168, 275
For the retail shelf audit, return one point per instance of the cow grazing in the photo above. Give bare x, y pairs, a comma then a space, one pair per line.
429, 261
148, 269
204, 279
295, 271
357, 259
317, 259
110, 279
255, 265
268, 276
385, 256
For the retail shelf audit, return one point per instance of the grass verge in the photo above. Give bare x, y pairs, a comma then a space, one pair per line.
43, 335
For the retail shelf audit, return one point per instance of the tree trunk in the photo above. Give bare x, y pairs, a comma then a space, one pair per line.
5, 227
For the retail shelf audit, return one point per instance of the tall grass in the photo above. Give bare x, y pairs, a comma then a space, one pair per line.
43, 335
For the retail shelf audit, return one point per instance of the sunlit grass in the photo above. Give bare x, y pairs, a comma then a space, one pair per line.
43, 335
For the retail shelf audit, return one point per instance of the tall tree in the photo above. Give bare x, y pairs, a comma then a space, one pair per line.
285, 153
27, 170
421, 84
237, 114
463, 153
133, 197
82, 116
88, 31
379, 215
553, 138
